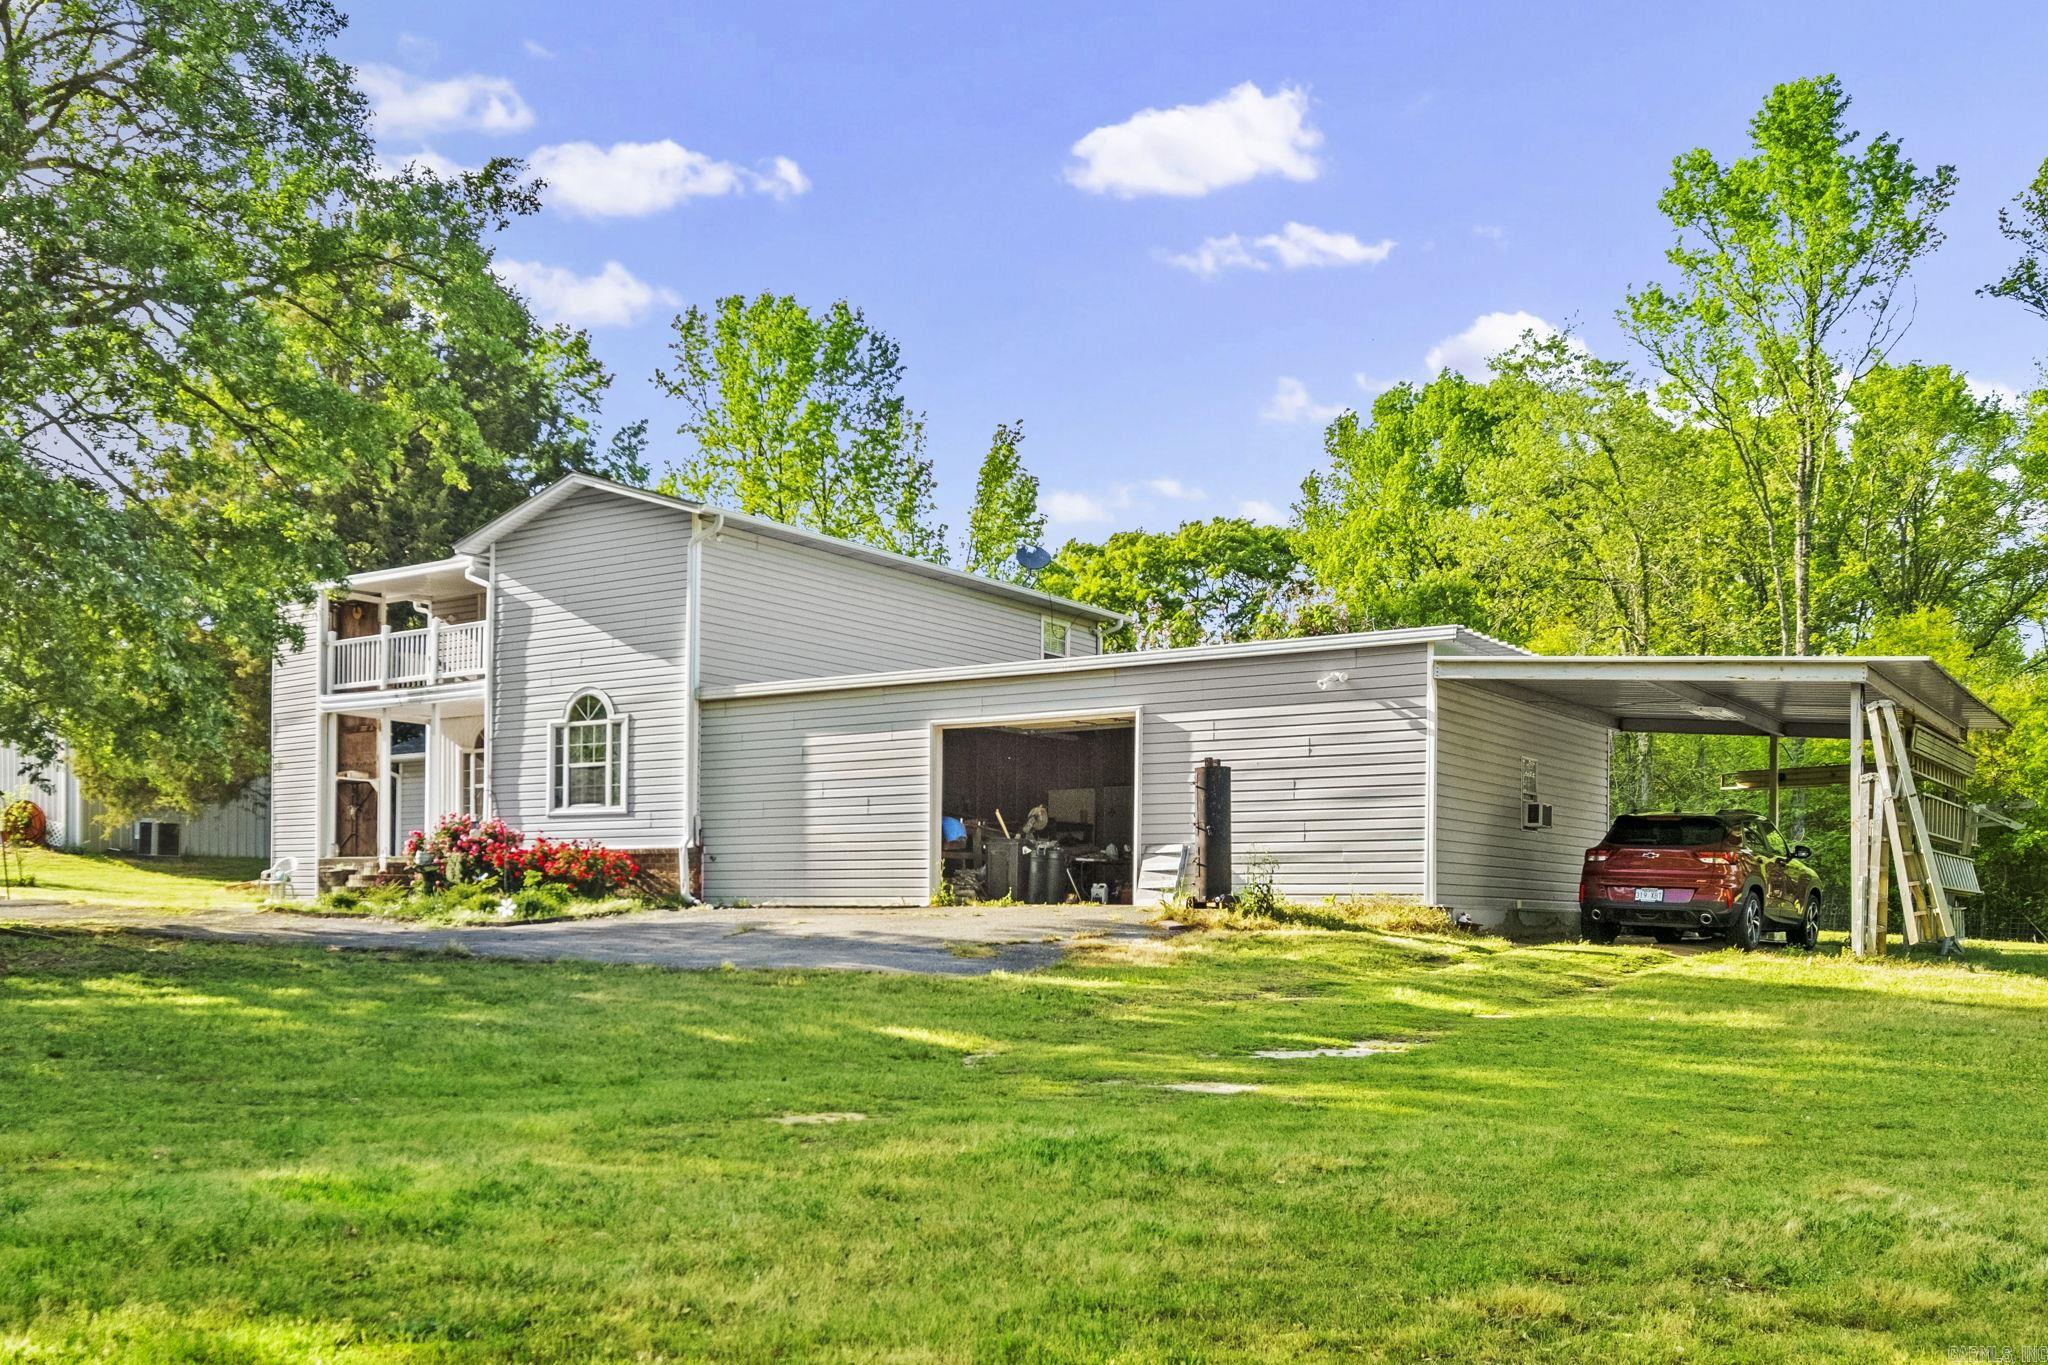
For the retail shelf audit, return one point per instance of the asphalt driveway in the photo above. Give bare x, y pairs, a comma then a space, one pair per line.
967, 941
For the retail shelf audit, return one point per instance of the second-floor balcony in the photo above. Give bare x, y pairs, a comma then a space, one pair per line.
434, 654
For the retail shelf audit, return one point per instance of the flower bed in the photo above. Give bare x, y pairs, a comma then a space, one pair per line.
464, 849
467, 870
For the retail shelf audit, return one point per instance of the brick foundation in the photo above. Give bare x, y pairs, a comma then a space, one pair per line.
661, 871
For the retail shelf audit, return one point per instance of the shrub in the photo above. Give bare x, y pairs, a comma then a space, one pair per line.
23, 822
492, 853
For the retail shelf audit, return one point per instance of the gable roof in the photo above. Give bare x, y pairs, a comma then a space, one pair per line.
545, 501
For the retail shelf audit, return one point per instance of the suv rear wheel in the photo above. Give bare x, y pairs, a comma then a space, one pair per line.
1748, 929
1597, 931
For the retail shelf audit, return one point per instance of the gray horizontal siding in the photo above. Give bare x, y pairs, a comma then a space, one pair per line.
235, 829
593, 596
1486, 861
777, 610
295, 760
825, 798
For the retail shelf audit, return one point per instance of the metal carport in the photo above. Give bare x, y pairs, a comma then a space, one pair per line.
1777, 696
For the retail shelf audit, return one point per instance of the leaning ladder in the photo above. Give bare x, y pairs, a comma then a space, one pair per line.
1894, 817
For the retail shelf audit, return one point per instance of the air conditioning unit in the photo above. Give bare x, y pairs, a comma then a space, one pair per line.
1535, 815
158, 838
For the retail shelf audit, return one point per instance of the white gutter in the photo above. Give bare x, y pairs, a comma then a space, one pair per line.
490, 686
693, 612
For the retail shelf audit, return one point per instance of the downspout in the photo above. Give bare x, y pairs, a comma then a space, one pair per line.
491, 689
693, 610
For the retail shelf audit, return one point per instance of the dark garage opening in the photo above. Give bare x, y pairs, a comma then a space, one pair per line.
1039, 811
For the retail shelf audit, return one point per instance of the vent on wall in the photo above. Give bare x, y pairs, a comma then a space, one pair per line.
158, 838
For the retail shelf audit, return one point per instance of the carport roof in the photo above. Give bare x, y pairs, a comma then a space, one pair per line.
1758, 695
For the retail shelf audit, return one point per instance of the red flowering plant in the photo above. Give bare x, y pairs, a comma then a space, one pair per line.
467, 849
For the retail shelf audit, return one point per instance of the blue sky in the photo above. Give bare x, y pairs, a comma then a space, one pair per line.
1335, 196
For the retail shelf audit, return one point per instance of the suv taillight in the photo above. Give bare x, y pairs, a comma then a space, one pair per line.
1597, 855
1715, 858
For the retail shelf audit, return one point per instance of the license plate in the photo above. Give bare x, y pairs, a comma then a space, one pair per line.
1650, 895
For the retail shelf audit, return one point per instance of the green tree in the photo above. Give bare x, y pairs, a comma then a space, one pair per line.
1790, 262
1386, 526
799, 416
2025, 223
1207, 582
189, 197
1005, 515
536, 409
1941, 509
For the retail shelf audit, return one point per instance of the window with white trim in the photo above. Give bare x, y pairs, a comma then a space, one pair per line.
589, 764
1053, 635
473, 781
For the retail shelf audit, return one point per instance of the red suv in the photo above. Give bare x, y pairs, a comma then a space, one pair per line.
1729, 875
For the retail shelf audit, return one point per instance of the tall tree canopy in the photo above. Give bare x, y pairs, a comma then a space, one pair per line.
1208, 582
1005, 516
1789, 262
536, 408
800, 416
215, 312
2025, 224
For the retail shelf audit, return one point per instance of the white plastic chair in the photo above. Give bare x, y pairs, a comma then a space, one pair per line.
276, 880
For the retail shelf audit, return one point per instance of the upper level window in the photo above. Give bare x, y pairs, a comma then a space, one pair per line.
1054, 635
589, 760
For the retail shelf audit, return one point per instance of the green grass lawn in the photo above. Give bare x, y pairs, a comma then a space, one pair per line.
229, 1153
154, 883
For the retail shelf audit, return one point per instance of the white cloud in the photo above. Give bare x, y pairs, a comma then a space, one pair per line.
1373, 384
1262, 512
1490, 333
403, 105
1192, 149
1990, 390
1492, 232
1214, 256
782, 179
1291, 403
426, 159
1075, 509
1298, 245
634, 179
613, 297
534, 49
1294, 247
1173, 488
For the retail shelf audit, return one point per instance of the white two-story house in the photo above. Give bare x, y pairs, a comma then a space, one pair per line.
764, 714
549, 672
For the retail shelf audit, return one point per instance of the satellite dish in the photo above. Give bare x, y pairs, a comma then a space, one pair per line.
1034, 557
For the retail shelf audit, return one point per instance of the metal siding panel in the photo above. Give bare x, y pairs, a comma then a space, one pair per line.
775, 610
1485, 859
823, 799
592, 596
294, 804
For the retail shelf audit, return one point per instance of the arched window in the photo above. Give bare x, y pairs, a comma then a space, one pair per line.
589, 756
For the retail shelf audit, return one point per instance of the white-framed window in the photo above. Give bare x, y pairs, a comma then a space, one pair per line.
473, 781
589, 756
1053, 634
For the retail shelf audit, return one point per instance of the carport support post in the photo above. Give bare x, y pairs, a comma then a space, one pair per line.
1859, 893
1774, 782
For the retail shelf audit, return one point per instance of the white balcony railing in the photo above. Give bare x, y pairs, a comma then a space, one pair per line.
433, 654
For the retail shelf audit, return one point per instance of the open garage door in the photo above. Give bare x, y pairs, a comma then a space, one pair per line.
1038, 811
